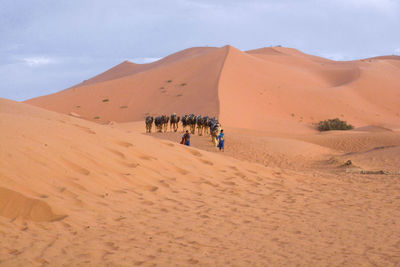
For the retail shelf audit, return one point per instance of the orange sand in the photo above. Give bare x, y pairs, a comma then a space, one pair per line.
275, 89
109, 195
78, 193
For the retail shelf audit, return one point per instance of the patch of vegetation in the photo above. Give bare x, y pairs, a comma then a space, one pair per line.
106, 100
96, 118
334, 124
293, 115
78, 106
123, 107
183, 84
178, 95
169, 81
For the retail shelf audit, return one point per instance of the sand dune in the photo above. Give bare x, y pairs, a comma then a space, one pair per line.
276, 88
315, 91
179, 86
81, 193
78, 193
127, 67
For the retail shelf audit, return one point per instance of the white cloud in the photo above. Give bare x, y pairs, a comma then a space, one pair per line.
397, 50
144, 60
37, 61
382, 5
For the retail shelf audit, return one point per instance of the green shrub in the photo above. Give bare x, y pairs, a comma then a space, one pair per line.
169, 81
106, 100
96, 118
183, 84
334, 124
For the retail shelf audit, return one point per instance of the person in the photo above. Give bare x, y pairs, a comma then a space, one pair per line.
186, 138
221, 141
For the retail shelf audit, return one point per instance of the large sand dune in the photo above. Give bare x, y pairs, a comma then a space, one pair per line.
78, 193
276, 88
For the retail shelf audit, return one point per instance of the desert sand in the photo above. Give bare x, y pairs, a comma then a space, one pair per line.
82, 184
275, 89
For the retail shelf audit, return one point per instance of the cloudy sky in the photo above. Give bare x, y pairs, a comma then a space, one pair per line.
47, 45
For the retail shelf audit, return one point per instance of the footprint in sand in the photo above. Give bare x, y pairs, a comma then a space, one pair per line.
181, 171
146, 156
130, 164
150, 188
164, 183
195, 153
229, 183
123, 143
240, 175
76, 168
233, 168
116, 152
85, 129
207, 162
193, 261
169, 144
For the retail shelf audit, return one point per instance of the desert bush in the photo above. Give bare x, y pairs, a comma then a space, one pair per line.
96, 118
334, 124
106, 100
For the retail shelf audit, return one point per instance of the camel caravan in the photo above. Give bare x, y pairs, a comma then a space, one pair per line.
191, 122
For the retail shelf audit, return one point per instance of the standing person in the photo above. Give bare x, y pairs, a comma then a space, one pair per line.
186, 138
221, 141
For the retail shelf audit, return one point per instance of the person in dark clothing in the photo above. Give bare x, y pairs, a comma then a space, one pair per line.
221, 141
186, 139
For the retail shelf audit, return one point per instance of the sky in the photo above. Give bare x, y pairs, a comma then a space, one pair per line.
47, 45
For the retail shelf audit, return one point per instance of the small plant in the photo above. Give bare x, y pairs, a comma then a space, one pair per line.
169, 81
78, 106
96, 118
183, 84
293, 115
334, 124
123, 107
178, 95
106, 100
